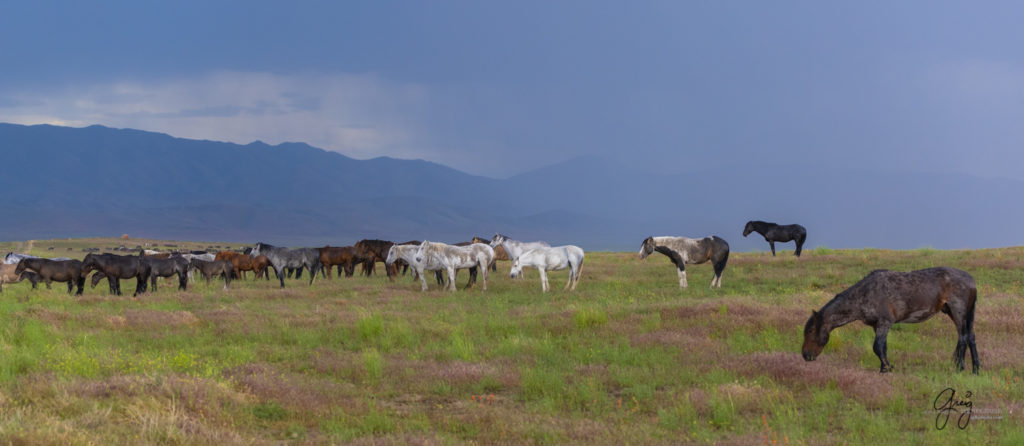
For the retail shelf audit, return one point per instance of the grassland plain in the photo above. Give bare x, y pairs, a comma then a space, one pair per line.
628, 358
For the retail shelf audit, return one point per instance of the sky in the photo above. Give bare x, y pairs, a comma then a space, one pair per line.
499, 88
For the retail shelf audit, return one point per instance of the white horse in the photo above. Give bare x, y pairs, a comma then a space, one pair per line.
544, 259
451, 257
516, 248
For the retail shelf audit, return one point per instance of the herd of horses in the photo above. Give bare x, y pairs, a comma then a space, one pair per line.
880, 299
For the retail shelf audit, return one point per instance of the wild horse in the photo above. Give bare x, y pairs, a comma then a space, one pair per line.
281, 258
883, 298
69, 271
683, 251
778, 233
115, 268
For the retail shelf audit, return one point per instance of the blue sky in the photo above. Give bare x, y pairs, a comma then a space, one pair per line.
499, 88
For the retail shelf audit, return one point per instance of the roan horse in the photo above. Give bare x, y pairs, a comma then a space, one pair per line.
883, 298
778, 233
556, 258
281, 258
452, 257
69, 271
683, 251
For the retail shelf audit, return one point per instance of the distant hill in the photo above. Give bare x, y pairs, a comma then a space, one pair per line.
98, 181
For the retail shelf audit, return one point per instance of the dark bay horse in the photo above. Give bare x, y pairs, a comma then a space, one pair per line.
343, 256
69, 271
683, 251
115, 268
883, 298
372, 251
778, 233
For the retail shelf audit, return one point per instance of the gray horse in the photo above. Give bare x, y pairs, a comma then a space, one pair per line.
281, 258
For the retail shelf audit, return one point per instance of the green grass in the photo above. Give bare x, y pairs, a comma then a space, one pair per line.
627, 358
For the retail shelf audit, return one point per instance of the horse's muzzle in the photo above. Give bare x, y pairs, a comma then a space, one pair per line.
808, 357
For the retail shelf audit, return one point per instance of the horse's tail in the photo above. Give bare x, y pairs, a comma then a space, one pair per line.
720, 264
969, 318
579, 269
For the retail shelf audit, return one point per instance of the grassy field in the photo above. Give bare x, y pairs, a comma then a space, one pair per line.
628, 358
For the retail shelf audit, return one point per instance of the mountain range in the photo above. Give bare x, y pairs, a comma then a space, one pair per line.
99, 181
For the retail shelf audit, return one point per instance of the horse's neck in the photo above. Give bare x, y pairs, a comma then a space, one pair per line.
840, 311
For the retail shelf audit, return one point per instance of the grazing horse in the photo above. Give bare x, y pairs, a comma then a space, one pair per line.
115, 268
281, 258
69, 271
551, 259
342, 256
778, 233
883, 298
452, 257
8, 274
214, 268
168, 267
683, 251
515, 248
372, 251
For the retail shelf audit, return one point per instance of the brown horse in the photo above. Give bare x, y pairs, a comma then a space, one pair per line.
883, 298
8, 275
240, 262
369, 252
343, 256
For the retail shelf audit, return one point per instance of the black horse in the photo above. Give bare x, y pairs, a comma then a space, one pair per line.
69, 271
115, 268
167, 268
883, 298
281, 258
778, 233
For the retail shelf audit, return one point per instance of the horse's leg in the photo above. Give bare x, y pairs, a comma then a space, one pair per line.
280, 274
313, 269
543, 279
153, 277
800, 244
772, 244
71, 284
682, 277
48, 283
451, 278
483, 272
81, 286
881, 331
569, 282
423, 279
579, 271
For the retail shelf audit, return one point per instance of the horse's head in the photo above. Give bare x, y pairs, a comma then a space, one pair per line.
748, 228
647, 248
498, 239
256, 249
517, 268
392, 256
420, 253
96, 278
89, 263
20, 268
815, 336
